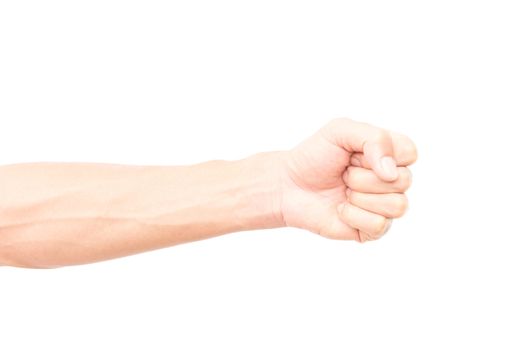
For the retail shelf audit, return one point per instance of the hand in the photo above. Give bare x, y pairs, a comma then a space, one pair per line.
347, 181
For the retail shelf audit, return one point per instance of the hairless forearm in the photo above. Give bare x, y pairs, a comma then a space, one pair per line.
58, 214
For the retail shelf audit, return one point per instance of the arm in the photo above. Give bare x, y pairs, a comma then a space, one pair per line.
56, 214
347, 181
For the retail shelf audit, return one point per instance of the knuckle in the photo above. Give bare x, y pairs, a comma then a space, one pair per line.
330, 129
379, 225
368, 236
364, 237
338, 122
400, 206
412, 154
405, 179
380, 136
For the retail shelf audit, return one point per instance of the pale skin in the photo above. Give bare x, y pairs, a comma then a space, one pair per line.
347, 181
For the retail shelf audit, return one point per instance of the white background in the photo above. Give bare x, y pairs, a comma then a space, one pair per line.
155, 82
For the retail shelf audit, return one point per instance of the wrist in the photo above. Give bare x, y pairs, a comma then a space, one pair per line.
259, 198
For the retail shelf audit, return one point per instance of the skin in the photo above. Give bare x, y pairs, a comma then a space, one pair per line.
334, 184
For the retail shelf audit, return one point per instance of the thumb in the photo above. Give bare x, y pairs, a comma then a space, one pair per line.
375, 143
380, 157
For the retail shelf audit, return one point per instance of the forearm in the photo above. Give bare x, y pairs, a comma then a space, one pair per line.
57, 214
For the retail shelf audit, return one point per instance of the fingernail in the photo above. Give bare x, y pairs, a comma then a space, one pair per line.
389, 166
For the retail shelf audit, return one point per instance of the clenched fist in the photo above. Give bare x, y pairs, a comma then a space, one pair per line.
347, 181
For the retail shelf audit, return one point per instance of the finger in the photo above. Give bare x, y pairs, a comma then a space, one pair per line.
373, 225
405, 149
364, 236
339, 230
405, 152
375, 143
365, 180
390, 205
